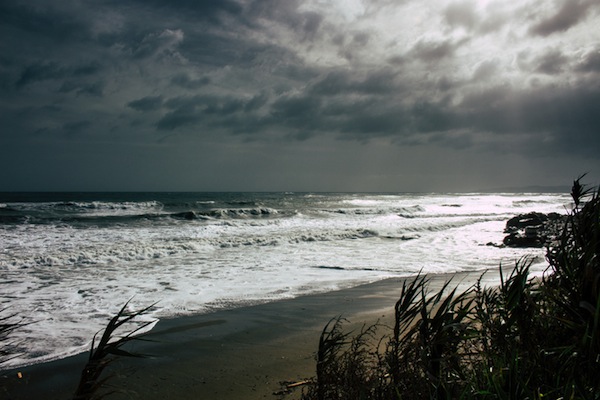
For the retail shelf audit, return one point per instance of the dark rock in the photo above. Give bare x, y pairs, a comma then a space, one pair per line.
533, 229
525, 220
515, 239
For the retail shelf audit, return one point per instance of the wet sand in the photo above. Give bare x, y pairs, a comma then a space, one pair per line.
247, 353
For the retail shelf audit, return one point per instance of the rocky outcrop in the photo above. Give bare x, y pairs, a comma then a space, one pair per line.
533, 229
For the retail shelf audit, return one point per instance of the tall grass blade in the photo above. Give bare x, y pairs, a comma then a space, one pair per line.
109, 344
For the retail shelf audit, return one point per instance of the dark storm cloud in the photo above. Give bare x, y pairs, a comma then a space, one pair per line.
212, 11
551, 63
47, 20
256, 102
175, 74
76, 127
301, 113
156, 44
535, 121
351, 43
91, 89
214, 111
431, 52
546, 119
41, 71
345, 81
567, 15
180, 117
149, 103
184, 81
306, 24
590, 62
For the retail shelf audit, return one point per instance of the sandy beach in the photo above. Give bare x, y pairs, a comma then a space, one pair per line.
247, 353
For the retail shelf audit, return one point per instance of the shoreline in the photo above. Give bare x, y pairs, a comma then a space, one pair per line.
241, 353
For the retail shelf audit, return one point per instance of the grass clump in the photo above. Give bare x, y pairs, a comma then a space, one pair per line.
525, 339
9, 348
110, 345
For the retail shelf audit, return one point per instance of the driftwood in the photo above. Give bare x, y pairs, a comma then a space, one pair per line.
296, 384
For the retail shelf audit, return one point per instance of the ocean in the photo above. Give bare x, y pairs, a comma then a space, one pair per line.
70, 261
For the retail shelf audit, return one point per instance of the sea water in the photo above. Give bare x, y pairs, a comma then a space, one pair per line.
70, 261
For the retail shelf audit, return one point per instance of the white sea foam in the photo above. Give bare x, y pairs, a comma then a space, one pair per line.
68, 271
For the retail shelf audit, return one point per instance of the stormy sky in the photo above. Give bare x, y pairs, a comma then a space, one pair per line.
300, 95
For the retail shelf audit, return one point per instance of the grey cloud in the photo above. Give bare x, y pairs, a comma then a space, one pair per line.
207, 104
250, 71
338, 39
211, 50
363, 125
184, 81
296, 70
590, 62
300, 113
157, 44
77, 128
306, 24
346, 106
224, 106
445, 84
431, 117
493, 22
361, 38
348, 50
430, 52
256, 102
149, 103
555, 120
40, 72
345, 81
356, 118
535, 121
311, 24
87, 69
551, 63
177, 118
212, 11
485, 70
569, 14
405, 123
397, 60
45, 19
83, 87
461, 14
47, 70
209, 110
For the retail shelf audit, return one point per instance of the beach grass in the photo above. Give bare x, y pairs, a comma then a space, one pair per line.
110, 345
528, 338
9, 348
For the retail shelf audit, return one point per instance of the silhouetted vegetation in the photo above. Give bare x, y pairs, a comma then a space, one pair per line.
110, 344
528, 338
9, 348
